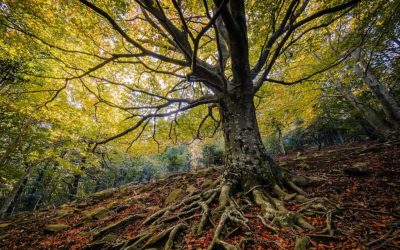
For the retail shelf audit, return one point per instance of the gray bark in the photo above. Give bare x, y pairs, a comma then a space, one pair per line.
388, 102
9, 203
247, 164
281, 143
367, 113
13, 145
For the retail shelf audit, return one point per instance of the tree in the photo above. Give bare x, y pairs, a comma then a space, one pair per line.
221, 54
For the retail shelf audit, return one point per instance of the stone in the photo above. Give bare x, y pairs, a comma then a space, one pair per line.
301, 243
3, 236
153, 208
96, 213
103, 194
53, 228
119, 224
3, 225
64, 212
109, 238
173, 195
304, 166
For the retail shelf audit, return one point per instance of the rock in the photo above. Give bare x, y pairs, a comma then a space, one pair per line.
96, 213
119, 224
173, 195
3, 225
53, 228
153, 208
82, 205
360, 165
64, 212
103, 194
301, 243
303, 165
109, 238
358, 169
191, 189
3, 236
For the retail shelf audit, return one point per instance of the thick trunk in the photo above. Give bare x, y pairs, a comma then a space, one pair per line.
388, 102
246, 162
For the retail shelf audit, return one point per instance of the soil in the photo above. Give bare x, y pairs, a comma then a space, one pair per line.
361, 180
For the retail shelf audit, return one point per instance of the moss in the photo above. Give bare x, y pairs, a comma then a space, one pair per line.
301, 243
53, 228
173, 195
3, 236
64, 212
103, 194
206, 183
109, 238
96, 213
3, 225
153, 208
191, 189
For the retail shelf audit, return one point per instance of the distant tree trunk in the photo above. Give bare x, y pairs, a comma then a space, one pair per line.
369, 130
13, 196
73, 188
383, 128
281, 142
33, 199
195, 151
13, 145
388, 102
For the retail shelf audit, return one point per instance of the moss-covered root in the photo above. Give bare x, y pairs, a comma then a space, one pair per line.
166, 238
274, 210
233, 214
302, 243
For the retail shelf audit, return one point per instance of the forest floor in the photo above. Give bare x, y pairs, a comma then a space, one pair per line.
362, 179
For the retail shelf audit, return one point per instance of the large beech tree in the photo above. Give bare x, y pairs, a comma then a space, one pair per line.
185, 54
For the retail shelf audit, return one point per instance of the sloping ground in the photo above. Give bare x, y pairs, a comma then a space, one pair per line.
361, 182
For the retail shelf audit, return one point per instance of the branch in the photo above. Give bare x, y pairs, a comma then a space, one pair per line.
136, 44
201, 101
17, 28
287, 30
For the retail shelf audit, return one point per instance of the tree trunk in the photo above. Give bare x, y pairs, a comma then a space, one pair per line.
13, 145
389, 104
73, 190
247, 163
379, 124
12, 198
281, 143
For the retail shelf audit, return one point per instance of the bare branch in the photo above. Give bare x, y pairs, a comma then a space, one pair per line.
136, 44
196, 103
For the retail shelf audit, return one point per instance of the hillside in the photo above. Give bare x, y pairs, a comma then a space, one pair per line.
362, 210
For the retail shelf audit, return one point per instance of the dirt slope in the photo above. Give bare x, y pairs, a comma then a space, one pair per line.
360, 180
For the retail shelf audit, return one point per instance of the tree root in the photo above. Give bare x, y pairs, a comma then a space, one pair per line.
273, 210
228, 213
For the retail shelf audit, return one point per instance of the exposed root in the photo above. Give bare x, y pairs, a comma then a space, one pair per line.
228, 212
274, 210
224, 196
296, 188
